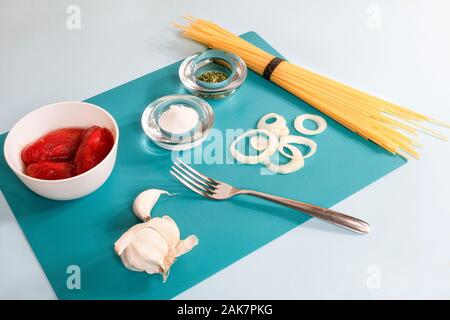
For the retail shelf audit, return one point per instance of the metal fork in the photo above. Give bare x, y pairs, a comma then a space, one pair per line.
217, 190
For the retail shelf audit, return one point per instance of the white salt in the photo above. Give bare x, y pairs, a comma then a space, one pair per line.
178, 119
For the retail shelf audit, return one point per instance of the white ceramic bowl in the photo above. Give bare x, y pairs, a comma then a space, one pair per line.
56, 116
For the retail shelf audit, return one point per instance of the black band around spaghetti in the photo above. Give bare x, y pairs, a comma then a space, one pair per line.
271, 67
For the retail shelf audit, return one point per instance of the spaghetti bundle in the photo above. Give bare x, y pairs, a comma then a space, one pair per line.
390, 126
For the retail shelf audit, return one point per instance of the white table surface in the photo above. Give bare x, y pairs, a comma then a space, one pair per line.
396, 49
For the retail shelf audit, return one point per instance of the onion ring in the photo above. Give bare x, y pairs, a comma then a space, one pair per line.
278, 127
297, 162
258, 143
283, 132
320, 122
279, 123
263, 156
287, 140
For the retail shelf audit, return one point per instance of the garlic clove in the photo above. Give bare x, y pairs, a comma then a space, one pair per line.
121, 244
147, 252
145, 201
186, 245
168, 230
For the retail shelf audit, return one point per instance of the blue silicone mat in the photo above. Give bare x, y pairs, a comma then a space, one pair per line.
82, 232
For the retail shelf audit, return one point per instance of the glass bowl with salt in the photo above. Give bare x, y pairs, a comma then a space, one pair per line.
178, 122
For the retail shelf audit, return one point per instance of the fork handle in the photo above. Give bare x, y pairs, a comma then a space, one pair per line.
334, 217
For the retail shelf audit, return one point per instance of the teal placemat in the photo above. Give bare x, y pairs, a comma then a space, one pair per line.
82, 232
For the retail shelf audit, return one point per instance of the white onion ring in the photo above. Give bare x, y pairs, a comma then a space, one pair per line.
278, 127
279, 123
263, 156
287, 140
320, 122
258, 143
283, 132
297, 162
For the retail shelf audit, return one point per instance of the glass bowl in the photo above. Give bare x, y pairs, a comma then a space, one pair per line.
232, 68
177, 140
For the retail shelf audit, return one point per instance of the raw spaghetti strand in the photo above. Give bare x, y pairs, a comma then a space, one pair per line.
384, 123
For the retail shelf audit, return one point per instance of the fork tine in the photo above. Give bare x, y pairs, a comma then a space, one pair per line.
196, 178
192, 182
208, 179
203, 194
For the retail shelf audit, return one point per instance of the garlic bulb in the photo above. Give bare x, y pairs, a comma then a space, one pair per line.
153, 246
145, 201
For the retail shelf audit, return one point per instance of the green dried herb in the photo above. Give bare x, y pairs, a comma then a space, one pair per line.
213, 76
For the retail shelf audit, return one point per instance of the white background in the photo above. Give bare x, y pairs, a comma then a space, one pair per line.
397, 49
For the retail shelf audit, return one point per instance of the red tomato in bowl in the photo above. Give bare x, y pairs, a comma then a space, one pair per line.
96, 143
50, 170
58, 145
